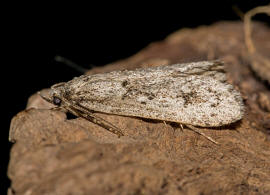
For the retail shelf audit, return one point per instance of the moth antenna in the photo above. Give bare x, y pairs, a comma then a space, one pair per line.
101, 122
79, 110
70, 63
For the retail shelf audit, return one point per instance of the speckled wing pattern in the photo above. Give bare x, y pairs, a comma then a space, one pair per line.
193, 93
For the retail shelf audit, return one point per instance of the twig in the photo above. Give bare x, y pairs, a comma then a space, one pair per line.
247, 24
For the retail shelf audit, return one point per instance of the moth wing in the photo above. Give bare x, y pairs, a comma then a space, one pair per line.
195, 94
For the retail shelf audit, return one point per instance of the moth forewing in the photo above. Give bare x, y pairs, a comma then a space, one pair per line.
193, 93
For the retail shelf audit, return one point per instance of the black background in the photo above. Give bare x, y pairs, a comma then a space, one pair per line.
87, 34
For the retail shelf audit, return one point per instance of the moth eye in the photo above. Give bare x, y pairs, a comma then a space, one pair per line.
56, 101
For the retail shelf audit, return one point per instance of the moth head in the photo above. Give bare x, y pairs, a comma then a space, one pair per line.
55, 94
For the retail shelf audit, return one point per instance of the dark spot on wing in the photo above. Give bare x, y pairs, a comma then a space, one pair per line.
213, 105
124, 83
209, 90
150, 97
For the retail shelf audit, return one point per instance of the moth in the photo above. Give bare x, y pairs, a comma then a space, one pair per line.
193, 94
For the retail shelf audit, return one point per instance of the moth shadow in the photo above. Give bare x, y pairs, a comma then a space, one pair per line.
70, 116
233, 126
148, 120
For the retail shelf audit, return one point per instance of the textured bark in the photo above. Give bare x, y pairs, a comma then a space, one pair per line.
56, 155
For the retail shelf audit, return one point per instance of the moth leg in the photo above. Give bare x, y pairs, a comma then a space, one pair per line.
164, 122
57, 109
103, 123
182, 128
88, 115
197, 130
